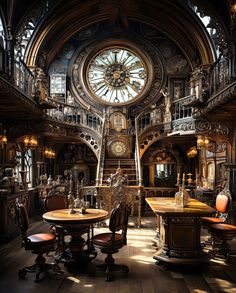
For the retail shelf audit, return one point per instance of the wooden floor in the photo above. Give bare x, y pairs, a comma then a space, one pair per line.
144, 276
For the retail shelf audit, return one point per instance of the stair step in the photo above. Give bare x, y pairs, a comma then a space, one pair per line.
131, 162
128, 166
112, 169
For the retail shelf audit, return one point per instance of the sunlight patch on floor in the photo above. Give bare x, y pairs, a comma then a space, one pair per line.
73, 279
142, 259
136, 243
149, 250
140, 232
225, 285
218, 261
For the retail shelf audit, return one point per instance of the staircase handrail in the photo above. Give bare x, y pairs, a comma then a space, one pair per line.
137, 157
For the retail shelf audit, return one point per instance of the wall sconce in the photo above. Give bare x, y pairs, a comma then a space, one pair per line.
202, 142
49, 153
30, 142
233, 7
192, 152
3, 138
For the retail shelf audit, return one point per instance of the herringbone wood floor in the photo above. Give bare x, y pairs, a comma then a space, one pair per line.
145, 275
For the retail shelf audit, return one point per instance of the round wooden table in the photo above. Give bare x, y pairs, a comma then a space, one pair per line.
76, 225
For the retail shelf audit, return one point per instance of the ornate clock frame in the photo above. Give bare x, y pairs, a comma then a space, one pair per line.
116, 77
119, 147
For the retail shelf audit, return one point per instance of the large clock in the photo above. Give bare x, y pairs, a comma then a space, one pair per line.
117, 74
118, 148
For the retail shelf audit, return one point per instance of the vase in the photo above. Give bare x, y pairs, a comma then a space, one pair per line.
23, 175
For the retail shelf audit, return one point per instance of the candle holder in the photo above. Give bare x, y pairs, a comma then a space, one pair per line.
71, 198
178, 182
182, 196
189, 180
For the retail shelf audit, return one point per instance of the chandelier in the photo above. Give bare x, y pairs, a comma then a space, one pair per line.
49, 153
202, 142
192, 152
30, 142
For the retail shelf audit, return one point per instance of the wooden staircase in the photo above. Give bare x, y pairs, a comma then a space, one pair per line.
127, 166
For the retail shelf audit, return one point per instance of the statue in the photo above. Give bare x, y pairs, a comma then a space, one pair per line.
41, 85
117, 182
167, 114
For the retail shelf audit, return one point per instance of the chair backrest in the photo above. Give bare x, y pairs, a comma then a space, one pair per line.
55, 202
22, 218
119, 220
223, 201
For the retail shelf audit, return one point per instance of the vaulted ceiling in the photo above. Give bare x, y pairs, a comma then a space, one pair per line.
65, 18
62, 20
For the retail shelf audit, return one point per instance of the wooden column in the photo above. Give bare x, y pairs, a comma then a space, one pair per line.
151, 175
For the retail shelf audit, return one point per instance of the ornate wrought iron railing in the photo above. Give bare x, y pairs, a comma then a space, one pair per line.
24, 79
74, 115
180, 109
149, 118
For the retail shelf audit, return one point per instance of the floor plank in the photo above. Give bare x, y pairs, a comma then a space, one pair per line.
145, 275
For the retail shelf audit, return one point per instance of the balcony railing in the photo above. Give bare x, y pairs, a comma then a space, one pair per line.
180, 110
205, 82
74, 115
24, 79
149, 119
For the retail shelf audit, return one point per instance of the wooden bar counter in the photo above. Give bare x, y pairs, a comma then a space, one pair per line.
180, 230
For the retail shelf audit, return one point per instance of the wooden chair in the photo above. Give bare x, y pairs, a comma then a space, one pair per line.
110, 242
222, 205
221, 235
57, 201
38, 243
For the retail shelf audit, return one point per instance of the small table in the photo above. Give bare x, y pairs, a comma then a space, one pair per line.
180, 230
76, 225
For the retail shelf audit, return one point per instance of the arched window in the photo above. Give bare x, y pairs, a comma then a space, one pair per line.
212, 26
25, 159
2, 34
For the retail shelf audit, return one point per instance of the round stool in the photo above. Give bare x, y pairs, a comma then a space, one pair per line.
221, 235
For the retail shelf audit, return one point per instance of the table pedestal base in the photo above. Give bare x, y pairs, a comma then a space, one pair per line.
162, 258
75, 253
179, 241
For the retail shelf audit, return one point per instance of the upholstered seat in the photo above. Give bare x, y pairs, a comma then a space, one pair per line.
110, 242
102, 240
38, 243
221, 234
41, 239
211, 220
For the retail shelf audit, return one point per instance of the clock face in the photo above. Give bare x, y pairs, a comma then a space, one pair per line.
116, 75
118, 148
